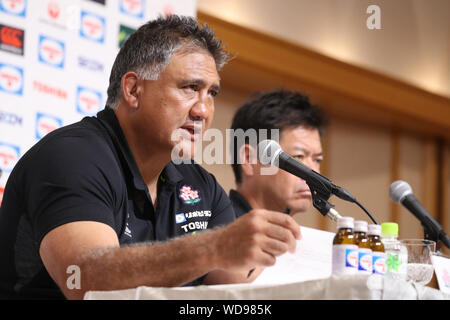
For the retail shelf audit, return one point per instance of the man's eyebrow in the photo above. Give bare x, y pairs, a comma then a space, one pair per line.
200, 83
306, 151
216, 88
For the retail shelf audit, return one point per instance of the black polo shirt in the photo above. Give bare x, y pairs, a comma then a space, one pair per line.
241, 206
86, 172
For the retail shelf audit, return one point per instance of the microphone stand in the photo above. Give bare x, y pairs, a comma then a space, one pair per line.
326, 208
321, 193
435, 233
430, 234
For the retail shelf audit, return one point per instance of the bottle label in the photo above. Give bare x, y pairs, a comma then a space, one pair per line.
396, 258
345, 259
379, 263
396, 264
365, 261
351, 258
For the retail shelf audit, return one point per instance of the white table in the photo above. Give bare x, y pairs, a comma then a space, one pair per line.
357, 287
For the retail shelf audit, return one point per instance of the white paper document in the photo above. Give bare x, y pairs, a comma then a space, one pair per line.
312, 260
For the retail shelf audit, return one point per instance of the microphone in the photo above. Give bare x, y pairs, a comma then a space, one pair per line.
401, 192
270, 152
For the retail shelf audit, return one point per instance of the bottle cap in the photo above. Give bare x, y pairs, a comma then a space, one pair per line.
361, 226
345, 222
374, 229
389, 229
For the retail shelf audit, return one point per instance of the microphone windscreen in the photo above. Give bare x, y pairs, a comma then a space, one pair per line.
268, 151
398, 190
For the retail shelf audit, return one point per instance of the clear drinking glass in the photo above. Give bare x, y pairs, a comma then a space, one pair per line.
419, 268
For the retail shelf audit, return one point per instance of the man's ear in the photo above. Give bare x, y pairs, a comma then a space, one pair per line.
248, 160
130, 85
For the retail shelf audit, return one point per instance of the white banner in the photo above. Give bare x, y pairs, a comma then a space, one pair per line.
55, 60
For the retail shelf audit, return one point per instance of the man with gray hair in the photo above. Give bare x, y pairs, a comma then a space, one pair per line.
98, 205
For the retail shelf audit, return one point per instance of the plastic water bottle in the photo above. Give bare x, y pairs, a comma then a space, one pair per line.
377, 246
345, 250
396, 254
364, 251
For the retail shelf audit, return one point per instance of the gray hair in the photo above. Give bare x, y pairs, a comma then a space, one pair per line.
149, 49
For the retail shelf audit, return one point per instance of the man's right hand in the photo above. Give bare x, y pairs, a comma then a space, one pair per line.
256, 239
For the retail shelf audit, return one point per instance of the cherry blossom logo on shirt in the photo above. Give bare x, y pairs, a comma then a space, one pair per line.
189, 195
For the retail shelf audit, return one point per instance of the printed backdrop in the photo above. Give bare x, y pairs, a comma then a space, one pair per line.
55, 60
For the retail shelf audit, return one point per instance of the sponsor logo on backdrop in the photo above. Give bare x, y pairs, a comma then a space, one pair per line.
11, 119
45, 124
53, 10
124, 33
9, 155
11, 39
90, 64
50, 90
93, 26
133, 8
55, 15
89, 101
14, 7
11, 79
51, 51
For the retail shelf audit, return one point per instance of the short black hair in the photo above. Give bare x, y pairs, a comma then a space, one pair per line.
276, 109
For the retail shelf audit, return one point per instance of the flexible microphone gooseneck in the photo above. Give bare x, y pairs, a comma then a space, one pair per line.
270, 152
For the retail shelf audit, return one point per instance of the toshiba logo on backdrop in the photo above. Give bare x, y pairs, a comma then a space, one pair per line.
50, 90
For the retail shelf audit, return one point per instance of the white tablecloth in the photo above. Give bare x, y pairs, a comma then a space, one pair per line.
361, 287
